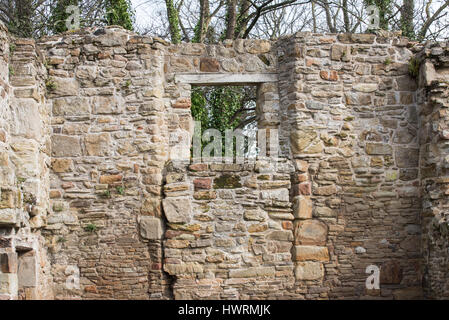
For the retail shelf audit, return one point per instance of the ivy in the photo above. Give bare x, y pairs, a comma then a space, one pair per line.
220, 107
58, 16
173, 21
385, 11
120, 13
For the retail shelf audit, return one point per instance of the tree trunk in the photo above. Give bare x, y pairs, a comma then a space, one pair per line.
407, 27
327, 10
203, 22
242, 22
24, 22
231, 19
346, 20
313, 16
173, 20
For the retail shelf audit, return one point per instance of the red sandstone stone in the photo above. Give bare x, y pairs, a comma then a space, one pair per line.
110, 178
331, 75
202, 183
209, 65
182, 103
198, 167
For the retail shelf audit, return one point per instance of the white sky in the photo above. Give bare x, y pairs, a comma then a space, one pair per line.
146, 10
151, 13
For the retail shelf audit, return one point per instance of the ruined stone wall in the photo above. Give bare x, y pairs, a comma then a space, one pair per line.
354, 135
105, 155
434, 164
24, 172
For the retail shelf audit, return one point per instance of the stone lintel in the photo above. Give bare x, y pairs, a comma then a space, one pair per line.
225, 79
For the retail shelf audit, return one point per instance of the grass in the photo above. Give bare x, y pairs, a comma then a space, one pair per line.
90, 227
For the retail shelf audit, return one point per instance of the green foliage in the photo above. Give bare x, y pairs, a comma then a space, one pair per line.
12, 48
223, 107
20, 180
199, 107
20, 17
58, 15
11, 70
50, 85
173, 21
90, 227
388, 61
127, 84
216, 107
120, 190
106, 193
413, 67
385, 11
120, 13
58, 207
29, 198
61, 240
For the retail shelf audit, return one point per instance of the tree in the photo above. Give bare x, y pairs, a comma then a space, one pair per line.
224, 107
20, 16
119, 12
59, 15
407, 12
173, 21
384, 7
231, 19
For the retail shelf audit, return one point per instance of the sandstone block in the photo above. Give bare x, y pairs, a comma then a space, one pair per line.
407, 157
26, 119
205, 195
8, 262
182, 103
9, 284
71, 106
7, 199
340, 52
280, 235
302, 207
227, 181
257, 46
177, 210
108, 104
65, 146
110, 179
202, 183
152, 207
309, 271
209, 65
310, 232
151, 228
391, 272
97, 144
378, 149
183, 268
27, 271
252, 272
64, 87
310, 253
61, 165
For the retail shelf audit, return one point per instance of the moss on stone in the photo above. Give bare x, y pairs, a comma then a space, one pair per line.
227, 181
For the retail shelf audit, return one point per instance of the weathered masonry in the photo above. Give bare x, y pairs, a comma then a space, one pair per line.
93, 206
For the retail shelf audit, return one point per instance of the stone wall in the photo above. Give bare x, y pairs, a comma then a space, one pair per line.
24, 172
102, 166
434, 163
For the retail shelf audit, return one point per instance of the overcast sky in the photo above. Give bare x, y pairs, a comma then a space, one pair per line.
151, 14
146, 11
